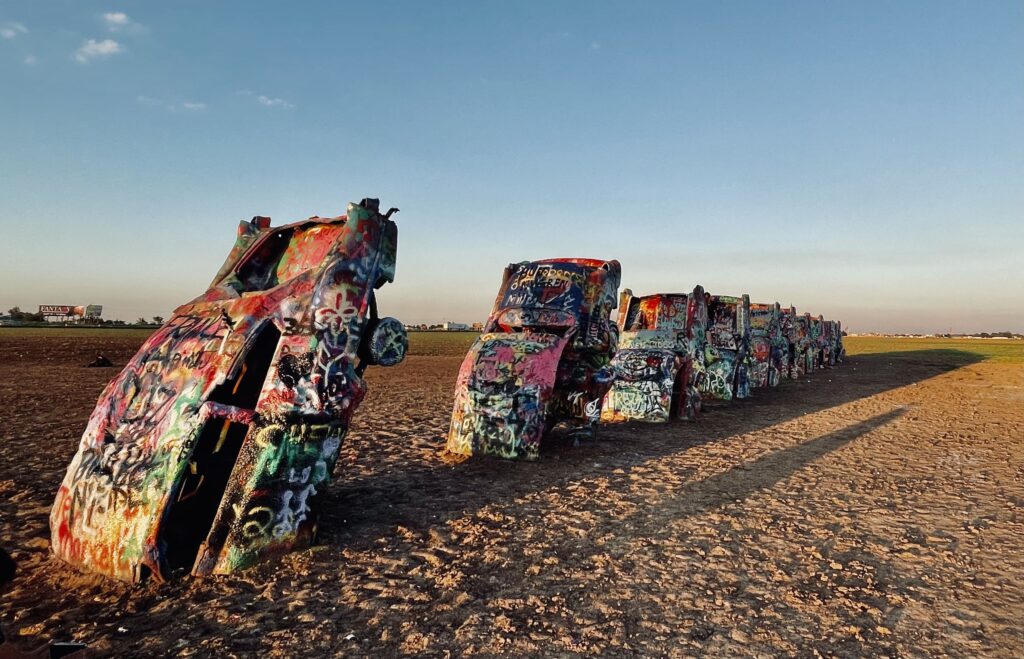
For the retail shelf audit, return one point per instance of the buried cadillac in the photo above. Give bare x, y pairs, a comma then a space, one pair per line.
831, 343
210, 450
805, 331
795, 331
543, 358
769, 346
728, 348
660, 360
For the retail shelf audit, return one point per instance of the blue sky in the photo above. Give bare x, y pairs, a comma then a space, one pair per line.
860, 160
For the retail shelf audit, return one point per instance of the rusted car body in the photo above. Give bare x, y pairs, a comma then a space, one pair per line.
728, 348
769, 346
544, 357
660, 360
213, 446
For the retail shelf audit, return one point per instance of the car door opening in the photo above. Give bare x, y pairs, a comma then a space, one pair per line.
216, 450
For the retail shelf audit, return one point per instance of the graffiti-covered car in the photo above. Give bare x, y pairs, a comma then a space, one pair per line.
211, 449
831, 343
660, 360
768, 345
728, 348
819, 343
806, 358
838, 350
796, 343
544, 357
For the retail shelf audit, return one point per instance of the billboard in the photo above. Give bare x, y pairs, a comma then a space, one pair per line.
56, 310
65, 310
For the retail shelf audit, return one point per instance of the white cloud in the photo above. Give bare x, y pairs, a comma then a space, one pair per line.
187, 106
274, 102
30, 60
266, 101
11, 30
92, 49
116, 19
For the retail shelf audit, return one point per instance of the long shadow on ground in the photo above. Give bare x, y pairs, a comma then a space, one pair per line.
424, 494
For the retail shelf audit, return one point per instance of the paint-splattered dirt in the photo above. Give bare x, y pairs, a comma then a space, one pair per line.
873, 510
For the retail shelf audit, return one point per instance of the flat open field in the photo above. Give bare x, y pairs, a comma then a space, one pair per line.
876, 509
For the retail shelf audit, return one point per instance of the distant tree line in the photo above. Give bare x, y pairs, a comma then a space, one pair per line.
984, 335
25, 316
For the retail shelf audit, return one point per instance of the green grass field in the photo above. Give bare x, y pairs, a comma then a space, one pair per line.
996, 350
457, 343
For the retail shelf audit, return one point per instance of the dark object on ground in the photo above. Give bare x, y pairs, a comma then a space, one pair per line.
7, 567
54, 650
99, 362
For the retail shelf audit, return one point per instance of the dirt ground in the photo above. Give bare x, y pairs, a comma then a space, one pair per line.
877, 509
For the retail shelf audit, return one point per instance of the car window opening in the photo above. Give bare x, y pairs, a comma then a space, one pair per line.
259, 271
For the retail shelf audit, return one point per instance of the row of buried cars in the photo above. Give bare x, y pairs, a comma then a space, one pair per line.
212, 448
551, 353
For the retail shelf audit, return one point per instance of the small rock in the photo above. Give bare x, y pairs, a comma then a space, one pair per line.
739, 636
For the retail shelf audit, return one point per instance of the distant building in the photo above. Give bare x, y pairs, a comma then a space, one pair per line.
455, 327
